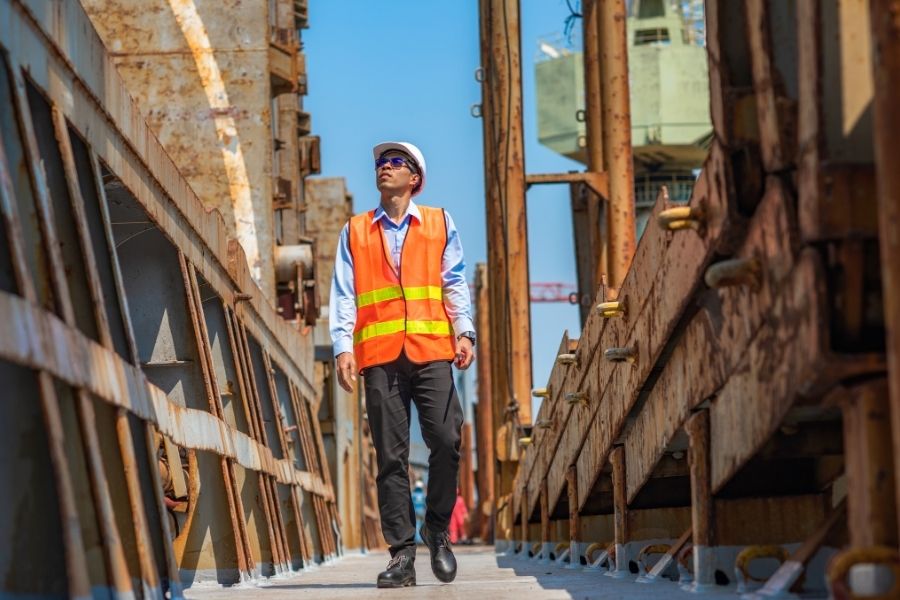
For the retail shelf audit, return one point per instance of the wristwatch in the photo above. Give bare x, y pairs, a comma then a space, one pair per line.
467, 334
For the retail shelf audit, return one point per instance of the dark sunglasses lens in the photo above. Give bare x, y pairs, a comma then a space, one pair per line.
395, 161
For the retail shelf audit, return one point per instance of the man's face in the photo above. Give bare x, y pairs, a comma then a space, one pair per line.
390, 178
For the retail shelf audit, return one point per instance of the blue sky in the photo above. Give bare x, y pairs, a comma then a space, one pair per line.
404, 71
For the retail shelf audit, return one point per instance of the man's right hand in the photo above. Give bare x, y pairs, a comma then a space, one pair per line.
346, 370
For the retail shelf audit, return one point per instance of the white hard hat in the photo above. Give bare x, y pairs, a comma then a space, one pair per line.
408, 149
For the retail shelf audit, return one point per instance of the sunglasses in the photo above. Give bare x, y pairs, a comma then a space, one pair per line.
395, 161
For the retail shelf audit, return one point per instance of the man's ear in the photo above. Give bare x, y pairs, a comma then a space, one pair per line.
417, 180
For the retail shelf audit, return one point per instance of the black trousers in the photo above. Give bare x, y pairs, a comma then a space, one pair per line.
389, 390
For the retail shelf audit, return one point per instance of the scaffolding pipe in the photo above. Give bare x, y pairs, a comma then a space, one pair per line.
617, 140
506, 216
886, 61
484, 420
587, 205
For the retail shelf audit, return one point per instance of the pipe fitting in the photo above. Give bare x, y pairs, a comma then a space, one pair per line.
592, 552
524, 441
647, 551
541, 392
840, 565
566, 359
294, 262
543, 424
681, 217
560, 548
619, 355
748, 555
608, 310
733, 272
577, 397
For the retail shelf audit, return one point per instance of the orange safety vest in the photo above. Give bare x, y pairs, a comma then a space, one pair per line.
400, 310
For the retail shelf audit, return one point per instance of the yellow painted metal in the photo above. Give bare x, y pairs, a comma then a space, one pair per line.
615, 308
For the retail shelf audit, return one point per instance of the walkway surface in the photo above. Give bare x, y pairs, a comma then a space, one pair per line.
482, 576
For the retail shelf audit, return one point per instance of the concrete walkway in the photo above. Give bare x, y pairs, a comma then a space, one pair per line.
482, 576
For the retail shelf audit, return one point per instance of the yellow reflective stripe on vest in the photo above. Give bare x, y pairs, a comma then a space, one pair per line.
379, 295
432, 327
425, 292
376, 329
396, 326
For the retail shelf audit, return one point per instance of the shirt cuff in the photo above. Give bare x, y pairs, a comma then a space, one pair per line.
343, 344
463, 324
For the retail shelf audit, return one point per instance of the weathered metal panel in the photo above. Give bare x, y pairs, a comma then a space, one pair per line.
194, 70
719, 332
115, 529
786, 358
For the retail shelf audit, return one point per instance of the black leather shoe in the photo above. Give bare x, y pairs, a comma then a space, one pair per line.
443, 563
400, 572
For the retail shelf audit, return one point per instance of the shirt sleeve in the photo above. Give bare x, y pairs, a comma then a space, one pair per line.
342, 303
457, 300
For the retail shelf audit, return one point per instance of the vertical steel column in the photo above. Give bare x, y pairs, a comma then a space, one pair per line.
593, 117
466, 470
506, 215
871, 509
546, 545
702, 515
575, 549
620, 511
885, 19
499, 376
507, 231
617, 140
524, 516
484, 422
593, 93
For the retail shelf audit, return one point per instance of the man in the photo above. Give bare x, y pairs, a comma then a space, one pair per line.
400, 314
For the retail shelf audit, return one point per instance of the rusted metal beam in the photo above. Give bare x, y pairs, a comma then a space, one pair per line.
591, 243
244, 556
84, 123
773, 141
586, 235
484, 415
871, 503
575, 550
886, 62
658, 258
77, 579
598, 182
524, 517
506, 215
466, 469
620, 511
620, 230
593, 93
126, 386
546, 544
115, 556
702, 505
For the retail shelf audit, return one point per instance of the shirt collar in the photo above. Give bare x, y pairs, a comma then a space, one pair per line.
412, 209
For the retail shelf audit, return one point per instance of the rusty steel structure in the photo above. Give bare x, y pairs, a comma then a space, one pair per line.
733, 393
163, 420
509, 308
170, 413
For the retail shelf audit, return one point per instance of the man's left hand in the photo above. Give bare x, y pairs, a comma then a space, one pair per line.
465, 353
